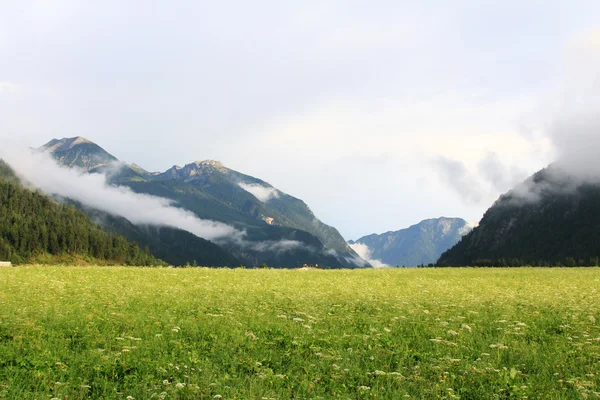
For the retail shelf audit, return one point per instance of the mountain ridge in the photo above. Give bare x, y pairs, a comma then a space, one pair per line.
419, 244
213, 191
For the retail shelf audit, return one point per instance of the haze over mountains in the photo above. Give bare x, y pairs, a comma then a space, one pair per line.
266, 225
419, 244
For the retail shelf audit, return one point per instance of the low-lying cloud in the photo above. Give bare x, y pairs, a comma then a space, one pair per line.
262, 193
365, 253
92, 190
492, 177
280, 246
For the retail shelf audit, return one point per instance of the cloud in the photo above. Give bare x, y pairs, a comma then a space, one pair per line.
499, 175
574, 124
365, 253
278, 247
92, 190
262, 193
467, 228
457, 176
7, 87
491, 177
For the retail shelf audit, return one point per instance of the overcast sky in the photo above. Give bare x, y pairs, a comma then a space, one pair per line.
377, 113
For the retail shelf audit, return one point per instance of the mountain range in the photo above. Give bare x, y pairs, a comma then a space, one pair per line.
214, 192
550, 219
419, 244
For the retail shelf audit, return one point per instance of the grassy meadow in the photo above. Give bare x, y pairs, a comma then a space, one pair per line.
141, 333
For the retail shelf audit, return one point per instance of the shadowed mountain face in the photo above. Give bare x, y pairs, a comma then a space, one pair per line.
419, 244
215, 192
550, 219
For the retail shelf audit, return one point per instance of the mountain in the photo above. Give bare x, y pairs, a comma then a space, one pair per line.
215, 192
420, 244
550, 219
175, 246
79, 152
34, 228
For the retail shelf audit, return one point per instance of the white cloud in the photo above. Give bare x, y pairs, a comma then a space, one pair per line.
9, 88
365, 253
40, 170
278, 247
262, 193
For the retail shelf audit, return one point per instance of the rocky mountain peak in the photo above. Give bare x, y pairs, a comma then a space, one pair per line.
64, 144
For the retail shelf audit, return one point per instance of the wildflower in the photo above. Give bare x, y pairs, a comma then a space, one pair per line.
130, 398
380, 373
453, 333
467, 327
365, 388
388, 330
166, 382
176, 329
180, 385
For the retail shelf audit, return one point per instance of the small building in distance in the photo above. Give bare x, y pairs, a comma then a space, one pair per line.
5, 264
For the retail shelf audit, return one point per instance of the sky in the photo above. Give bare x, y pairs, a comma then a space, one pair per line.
377, 114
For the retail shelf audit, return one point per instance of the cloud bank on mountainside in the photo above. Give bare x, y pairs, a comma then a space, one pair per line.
262, 193
365, 253
92, 190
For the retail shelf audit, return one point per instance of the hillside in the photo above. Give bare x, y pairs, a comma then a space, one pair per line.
550, 219
215, 192
420, 244
35, 228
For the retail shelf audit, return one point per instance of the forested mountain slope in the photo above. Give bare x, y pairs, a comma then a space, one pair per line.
553, 218
34, 227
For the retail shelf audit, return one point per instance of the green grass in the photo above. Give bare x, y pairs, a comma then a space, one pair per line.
93, 332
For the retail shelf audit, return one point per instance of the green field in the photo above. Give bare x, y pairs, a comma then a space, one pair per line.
100, 332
